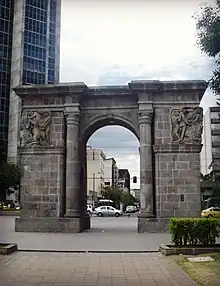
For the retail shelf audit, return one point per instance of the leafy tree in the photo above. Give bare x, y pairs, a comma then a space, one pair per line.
216, 187
127, 199
115, 194
3, 156
112, 193
208, 38
9, 178
206, 178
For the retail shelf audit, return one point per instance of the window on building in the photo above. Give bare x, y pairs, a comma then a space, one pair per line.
215, 115
216, 150
216, 138
215, 126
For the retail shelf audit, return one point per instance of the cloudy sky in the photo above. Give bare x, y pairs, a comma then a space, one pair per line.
112, 42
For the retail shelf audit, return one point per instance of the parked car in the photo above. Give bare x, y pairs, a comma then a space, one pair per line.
211, 212
131, 209
107, 211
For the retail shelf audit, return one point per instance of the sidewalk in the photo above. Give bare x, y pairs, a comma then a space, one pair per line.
47, 269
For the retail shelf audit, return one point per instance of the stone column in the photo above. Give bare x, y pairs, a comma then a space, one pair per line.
72, 166
146, 180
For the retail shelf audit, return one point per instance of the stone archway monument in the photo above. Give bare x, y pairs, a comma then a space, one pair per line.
56, 123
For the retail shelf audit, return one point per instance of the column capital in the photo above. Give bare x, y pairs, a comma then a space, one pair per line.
145, 117
72, 118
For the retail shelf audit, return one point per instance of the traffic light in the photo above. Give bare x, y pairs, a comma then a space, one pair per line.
134, 180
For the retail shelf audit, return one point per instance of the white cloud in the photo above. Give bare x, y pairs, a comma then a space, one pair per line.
113, 42
97, 35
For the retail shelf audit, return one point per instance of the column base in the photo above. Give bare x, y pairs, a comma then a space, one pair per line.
146, 214
152, 225
72, 214
61, 224
86, 222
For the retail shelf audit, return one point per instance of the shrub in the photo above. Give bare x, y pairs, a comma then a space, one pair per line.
193, 231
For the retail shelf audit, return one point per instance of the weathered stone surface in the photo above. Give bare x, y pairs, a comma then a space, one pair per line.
146, 166
72, 165
57, 136
181, 186
152, 225
35, 128
42, 172
164, 116
186, 125
47, 224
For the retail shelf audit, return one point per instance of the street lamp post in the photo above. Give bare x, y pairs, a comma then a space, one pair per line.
93, 189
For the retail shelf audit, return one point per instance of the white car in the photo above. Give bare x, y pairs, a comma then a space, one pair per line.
131, 209
107, 211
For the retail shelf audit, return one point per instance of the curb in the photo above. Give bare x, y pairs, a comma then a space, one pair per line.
87, 251
8, 248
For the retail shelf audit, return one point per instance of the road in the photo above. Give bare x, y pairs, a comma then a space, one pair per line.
114, 224
106, 234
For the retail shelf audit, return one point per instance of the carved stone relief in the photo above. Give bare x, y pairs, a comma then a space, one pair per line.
186, 125
35, 128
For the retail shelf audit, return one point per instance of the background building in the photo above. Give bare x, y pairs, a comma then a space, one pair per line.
95, 173
210, 153
124, 179
136, 193
6, 29
110, 172
29, 54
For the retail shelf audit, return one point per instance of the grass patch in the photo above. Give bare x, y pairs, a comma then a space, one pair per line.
204, 273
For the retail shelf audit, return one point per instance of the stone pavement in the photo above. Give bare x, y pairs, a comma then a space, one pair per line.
107, 234
90, 269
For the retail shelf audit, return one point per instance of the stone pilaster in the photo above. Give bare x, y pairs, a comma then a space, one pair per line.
72, 166
146, 176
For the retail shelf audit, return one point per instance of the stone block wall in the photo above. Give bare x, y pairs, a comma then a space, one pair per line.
57, 132
162, 129
177, 169
41, 99
177, 185
42, 182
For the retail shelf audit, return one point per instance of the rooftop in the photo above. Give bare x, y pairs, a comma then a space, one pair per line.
136, 86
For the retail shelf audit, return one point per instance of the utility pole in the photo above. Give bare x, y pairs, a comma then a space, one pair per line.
93, 188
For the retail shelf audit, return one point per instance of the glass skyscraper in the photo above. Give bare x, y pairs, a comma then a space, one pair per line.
6, 28
40, 41
29, 54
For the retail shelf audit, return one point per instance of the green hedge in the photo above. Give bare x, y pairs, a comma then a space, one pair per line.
193, 231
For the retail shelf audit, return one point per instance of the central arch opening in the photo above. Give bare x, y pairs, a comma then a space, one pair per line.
111, 179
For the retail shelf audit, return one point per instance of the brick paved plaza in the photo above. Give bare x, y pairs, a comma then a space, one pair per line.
47, 269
